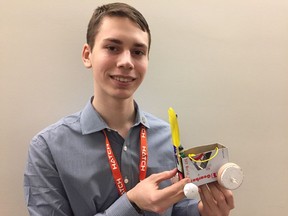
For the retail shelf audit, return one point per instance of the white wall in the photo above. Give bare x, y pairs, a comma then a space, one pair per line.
222, 65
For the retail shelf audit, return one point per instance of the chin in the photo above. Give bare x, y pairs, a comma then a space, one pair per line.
123, 96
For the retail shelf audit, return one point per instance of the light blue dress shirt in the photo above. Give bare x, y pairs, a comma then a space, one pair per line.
68, 172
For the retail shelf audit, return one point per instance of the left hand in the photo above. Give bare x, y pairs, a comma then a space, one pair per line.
215, 200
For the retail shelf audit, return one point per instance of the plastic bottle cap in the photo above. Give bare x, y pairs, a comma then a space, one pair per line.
230, 176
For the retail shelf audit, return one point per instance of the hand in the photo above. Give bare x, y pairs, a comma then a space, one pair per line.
147, 195
215, 200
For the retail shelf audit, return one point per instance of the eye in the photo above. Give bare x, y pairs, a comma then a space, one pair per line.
139, 52
112, 48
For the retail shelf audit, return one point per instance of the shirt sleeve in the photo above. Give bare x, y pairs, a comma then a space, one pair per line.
44, 192
121, 207
186, 207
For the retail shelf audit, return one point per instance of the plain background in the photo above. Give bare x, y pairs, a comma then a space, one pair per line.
222, 65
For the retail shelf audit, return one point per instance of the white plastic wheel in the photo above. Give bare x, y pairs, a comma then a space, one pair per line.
191, 191
230, 176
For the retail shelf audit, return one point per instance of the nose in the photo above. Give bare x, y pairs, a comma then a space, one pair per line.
125, 60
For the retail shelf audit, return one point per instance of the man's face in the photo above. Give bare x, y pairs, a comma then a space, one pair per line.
119, 58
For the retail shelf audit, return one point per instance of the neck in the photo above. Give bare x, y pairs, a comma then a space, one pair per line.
118, 114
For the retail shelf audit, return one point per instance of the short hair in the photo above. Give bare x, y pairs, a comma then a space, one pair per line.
115, 10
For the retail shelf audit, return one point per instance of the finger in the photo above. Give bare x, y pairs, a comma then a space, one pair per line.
228, 195
203, 205
206, 197
159, 177
174, 193
219, 197
206, 207
176, 188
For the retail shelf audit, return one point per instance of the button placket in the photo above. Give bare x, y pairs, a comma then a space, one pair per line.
126, 163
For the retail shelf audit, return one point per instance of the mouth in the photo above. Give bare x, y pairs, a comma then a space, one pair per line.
123, 79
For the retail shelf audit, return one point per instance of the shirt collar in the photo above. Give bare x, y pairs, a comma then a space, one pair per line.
91, 121
140, 117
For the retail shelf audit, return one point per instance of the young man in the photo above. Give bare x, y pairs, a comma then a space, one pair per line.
112, 158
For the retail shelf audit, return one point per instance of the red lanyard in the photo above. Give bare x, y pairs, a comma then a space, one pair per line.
118, 179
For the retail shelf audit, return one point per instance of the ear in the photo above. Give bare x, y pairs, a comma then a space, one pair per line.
86, 53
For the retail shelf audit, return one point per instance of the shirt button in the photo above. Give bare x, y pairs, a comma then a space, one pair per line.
125, 148
126, 181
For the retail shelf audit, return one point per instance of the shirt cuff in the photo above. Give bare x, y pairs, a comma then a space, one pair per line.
122, 207
186, 207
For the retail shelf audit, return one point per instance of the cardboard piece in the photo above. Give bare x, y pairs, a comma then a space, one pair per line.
201, 164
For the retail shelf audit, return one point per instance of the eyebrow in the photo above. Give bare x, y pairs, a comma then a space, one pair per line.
119, 42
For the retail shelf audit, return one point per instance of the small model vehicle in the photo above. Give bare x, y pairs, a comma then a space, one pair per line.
203, 164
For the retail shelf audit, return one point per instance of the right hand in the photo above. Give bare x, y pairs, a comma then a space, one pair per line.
147, 195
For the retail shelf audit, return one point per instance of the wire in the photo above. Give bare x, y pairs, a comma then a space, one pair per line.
203, 161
